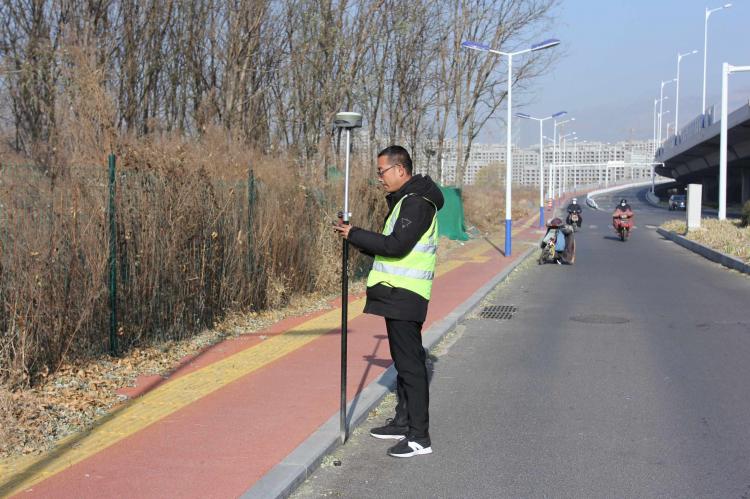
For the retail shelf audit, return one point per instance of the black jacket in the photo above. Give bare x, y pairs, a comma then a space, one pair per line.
415, 217
625, 207
574, 208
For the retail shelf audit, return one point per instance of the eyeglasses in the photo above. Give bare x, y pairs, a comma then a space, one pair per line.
380, 173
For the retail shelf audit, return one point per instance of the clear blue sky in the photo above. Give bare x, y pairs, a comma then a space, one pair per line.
615, 54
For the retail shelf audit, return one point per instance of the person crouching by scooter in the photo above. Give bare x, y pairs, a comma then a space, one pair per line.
554, 236
574, 214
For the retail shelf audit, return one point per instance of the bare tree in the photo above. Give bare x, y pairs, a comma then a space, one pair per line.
475, 89
272, 72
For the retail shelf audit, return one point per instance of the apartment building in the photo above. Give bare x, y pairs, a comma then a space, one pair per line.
580, 163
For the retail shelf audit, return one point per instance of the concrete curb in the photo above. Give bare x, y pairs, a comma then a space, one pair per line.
653, 200
705, 251
286, 476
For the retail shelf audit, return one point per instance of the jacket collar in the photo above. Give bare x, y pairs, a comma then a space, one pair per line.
395, 197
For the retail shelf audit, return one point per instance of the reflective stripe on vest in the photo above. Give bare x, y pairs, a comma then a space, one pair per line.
413, 271
401, 271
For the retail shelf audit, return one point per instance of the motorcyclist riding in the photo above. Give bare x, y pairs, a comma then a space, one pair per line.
574, 209
624, 206
623, 218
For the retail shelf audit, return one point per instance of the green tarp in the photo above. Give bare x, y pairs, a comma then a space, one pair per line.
451, 216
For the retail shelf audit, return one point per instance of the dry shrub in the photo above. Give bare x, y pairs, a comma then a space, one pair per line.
484, 205
86, 111
52, 267
195, 240
677, 226
745, 216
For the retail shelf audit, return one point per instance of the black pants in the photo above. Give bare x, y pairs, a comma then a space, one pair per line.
412, 385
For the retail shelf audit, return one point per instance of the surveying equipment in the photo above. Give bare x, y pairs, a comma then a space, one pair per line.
347, 121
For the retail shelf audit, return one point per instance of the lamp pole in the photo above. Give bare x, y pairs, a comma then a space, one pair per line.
550, 171
726, 70
666, 127
575, 161
541, 157
563, 178
508, 152
705, 49
554, 153
661, 104
677, 92
653, 153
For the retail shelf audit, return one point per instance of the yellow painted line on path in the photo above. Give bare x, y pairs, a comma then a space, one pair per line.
17, 474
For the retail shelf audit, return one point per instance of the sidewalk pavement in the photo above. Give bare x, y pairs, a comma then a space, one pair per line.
238, 418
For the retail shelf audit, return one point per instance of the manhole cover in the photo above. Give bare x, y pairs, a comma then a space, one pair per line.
600, 319
498, 312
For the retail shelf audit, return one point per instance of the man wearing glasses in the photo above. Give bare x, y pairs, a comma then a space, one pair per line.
399, 287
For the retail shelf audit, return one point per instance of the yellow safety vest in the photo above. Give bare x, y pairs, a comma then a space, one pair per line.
413, 271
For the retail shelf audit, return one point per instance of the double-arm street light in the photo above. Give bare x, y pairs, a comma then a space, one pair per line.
677, 92
705, 49
508, 152
541, 157
661, 103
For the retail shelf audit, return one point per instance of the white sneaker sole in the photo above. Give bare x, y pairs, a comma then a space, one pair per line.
426, 450
387, 437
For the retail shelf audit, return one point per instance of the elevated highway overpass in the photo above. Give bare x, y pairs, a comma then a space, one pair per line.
692, 156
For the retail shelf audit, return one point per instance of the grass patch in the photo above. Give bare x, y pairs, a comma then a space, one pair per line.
726, 236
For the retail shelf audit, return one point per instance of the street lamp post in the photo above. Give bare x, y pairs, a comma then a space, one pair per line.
554, 154
541, 157
550, 171
563, 178
726, 70
677, 91
653, 153
705, 49
575, 161
666, 127
508, 152
661, 103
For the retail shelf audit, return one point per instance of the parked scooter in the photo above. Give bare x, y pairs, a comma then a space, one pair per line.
558, 244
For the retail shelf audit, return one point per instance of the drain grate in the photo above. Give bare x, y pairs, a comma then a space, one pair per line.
503, 312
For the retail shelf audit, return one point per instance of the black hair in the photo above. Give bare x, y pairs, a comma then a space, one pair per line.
398, 155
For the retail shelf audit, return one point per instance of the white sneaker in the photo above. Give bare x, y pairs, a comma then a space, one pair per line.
410, 447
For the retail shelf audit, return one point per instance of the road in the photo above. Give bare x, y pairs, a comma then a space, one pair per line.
625, 375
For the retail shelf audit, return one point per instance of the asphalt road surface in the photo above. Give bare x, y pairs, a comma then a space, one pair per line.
624, 375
